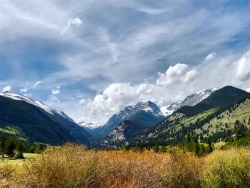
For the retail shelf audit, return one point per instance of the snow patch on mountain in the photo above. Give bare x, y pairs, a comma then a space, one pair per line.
28, 100
190, 100
37, 104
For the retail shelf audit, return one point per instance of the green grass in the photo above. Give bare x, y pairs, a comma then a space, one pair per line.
19, 162
219, 145
13, 131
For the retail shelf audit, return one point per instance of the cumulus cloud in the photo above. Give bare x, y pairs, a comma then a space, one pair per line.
167, 32
178, 73
77, 22
6, 89
119, 95
243, 71
36, 84
23, 90
248, 90
114, 98
175, 84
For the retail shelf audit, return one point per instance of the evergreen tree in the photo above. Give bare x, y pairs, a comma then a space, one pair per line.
2, 144
9, 148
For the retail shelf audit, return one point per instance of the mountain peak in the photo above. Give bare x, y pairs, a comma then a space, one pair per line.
190, 100
131, 112
221, 98
15, 96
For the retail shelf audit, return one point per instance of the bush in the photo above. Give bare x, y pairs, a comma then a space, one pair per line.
227, 169
18, 154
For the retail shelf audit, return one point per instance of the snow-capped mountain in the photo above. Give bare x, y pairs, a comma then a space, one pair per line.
28, 100
146, 113
190, 100
36, 103
38, 122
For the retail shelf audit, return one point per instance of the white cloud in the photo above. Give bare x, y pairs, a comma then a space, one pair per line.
243, 71
114, 98
178, 73
210, 56
23, 90
119, 95
6, 89
55, 91
176, 83
248, 90
111, 48
36, 84
77, 22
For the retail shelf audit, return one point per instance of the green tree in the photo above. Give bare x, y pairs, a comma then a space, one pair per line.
2, 144
9, 148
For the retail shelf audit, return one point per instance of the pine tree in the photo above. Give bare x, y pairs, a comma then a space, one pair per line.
2, 144
9, 148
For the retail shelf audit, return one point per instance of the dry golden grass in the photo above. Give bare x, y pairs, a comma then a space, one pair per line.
129, 169
67, 166
75, 166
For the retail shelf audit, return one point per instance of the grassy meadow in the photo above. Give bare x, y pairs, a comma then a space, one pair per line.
75, 166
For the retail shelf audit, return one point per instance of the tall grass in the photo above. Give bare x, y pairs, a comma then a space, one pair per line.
229, 168
7, 172
75, 166
67, 166
183, 170
130, 169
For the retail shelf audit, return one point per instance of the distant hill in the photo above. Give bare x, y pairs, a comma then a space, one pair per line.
24, 118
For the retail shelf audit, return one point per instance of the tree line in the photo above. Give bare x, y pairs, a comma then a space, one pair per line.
14, 148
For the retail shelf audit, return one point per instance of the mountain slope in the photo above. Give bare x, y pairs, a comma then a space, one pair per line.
190, 100
36, 122
212, 117
143, 113
221, 98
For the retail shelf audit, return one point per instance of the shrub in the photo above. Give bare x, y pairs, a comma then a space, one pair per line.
227, 169
18, 154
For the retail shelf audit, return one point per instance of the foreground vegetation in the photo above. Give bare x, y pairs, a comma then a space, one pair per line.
75, 166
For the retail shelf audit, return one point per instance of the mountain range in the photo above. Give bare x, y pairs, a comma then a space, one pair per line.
214, 118
203, 113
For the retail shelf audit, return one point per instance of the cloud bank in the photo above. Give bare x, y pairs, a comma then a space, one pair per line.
176, 83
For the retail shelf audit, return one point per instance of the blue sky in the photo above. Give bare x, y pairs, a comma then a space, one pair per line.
92, 58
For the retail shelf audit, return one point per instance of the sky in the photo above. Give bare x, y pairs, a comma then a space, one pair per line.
92, 58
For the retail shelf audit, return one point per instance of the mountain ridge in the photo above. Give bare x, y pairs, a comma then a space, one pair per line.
37, 122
